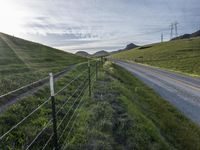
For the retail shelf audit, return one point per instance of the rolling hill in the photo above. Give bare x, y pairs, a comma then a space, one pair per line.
97, 54
128, 47
83, 54
179, 55
100, 53
187, 36
22, 61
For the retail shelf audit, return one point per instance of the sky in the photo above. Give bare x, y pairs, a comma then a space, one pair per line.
93, 25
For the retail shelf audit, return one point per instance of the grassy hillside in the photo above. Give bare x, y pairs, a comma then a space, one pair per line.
22, 62
178, 55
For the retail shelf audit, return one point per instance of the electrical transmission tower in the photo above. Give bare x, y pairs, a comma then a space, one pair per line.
173, 27
171, 30
162, 37
176, 28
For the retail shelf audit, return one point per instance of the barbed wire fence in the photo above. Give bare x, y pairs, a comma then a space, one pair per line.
58, 129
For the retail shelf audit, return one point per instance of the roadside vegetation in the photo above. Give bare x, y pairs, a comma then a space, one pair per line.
122, 113
23, 62
178, 55
130, 116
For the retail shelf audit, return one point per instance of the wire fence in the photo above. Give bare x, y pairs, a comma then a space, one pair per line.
55, 132
14, 93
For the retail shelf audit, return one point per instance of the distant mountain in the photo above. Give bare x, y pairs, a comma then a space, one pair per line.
128, 47
187, 36
83, 54
100, 53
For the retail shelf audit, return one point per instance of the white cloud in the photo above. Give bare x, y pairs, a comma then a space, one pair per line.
96, 21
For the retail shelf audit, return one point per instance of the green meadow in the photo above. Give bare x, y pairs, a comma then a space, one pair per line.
178, 55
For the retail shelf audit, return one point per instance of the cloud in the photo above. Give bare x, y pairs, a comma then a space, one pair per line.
97, 24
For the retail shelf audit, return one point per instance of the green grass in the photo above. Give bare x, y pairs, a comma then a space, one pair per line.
25, 132
177, 55
130, 116
22, 62
178, 131
122, 113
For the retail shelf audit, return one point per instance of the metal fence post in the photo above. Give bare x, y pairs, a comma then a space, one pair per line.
89, 78
55, 137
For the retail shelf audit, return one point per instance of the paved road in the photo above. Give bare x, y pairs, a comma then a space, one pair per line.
182, 91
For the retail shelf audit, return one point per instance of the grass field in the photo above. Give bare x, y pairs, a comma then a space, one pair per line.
177, 55
20, 137
129, 116
22, 62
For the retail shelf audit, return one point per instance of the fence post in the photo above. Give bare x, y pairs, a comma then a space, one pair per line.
55, 137
96, 70
89, 78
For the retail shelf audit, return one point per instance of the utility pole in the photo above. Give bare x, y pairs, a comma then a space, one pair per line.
161, 37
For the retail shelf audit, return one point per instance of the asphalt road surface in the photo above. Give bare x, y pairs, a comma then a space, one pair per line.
180, 90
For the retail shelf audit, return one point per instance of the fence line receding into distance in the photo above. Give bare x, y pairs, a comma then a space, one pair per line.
54, 124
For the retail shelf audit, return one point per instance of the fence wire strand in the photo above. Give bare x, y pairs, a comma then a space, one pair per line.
62, 132
20, 122
70, 97
71, 107
70, 119
65, 144
43, 129
73, 124
47, 142
70, 82
84, 85
23, 87
36, 137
